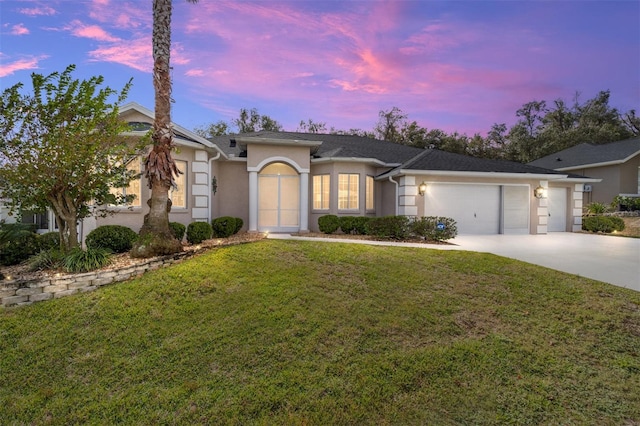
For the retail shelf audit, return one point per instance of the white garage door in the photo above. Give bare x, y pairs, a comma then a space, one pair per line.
475, 208
481, 209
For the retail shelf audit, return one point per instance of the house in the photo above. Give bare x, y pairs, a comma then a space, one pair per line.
617, 164
284, 181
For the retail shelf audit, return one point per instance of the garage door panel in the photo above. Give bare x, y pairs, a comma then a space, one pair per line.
475, 208
515, 210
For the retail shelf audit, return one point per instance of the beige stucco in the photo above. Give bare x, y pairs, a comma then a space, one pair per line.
617, 179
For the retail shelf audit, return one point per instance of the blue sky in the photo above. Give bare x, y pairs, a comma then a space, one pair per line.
453, 65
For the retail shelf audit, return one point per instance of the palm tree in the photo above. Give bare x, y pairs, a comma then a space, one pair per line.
160, 169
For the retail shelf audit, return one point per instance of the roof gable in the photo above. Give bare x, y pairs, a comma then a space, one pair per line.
587, 155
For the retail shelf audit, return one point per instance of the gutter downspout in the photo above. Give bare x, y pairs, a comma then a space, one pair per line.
396, 197
211, 160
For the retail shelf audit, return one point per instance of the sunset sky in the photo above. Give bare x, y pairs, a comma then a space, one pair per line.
453, 65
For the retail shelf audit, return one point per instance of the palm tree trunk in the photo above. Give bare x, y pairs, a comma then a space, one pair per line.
160, 169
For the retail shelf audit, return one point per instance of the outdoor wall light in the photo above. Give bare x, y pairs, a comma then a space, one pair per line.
422, 188
540, 192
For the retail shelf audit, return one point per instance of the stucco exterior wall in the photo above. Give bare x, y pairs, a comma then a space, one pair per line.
232, 196
334, 170
257, 154
605, 191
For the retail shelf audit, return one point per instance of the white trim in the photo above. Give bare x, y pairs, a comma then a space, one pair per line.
352, 160
278, 159
475, 174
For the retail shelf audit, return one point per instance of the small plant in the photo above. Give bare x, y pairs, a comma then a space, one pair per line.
17, 246
116, 238
360, 224
605, 224
391, 227
624, 203
178, 230
197, 232
597, 208
239, 224
434, 228
50, 240
328, 224
78, 260
224, 226
347, 224
47, 259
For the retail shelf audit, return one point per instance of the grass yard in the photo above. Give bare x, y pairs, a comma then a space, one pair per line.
306, 333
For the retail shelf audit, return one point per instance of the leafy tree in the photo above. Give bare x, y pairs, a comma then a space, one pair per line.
61, 148
352, 132
390, 124
632, 122
159, 168
251, 121
219, 128
311, 126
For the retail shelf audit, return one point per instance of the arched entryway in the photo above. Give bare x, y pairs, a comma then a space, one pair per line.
278, 198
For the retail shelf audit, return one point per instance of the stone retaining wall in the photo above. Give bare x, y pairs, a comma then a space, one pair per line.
25, 292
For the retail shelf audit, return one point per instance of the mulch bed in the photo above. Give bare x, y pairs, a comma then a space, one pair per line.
121, 260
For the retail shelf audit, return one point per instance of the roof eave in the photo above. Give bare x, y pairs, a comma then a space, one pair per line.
353, 160
469, 174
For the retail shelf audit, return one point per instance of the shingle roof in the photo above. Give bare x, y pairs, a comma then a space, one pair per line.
433, 159
399, 156
587, 154
333, 146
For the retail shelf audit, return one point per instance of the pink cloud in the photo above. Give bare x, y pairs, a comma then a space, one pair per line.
135, 54
19, 29
8, 68
93, 32
38, 11
120, 14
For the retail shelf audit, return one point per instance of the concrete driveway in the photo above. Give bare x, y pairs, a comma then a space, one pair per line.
614, 260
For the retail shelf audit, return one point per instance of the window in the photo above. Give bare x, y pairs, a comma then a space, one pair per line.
369, 201
321, 192
348, 191
134, 185
178, 195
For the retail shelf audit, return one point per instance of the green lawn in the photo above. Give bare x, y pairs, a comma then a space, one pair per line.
306, 333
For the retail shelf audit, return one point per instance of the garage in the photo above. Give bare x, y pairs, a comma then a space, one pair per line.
480, 209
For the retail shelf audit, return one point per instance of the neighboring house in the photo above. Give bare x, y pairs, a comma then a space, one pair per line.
283, 182
617, 164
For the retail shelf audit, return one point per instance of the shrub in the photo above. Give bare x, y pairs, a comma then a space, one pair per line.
391, 227
347, 224
605, 224
47, 259
224, 226
361, 224
50, 240
116, 238
178, 230
197, 232
597, 208
618, 223
239, 225
626, 203
434, 228
78, 260
17, 246
328, 224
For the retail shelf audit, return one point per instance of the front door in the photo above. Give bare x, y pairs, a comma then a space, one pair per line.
278, 199
557, 198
